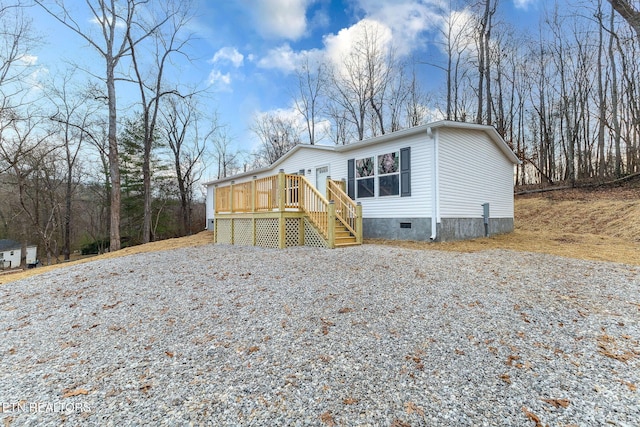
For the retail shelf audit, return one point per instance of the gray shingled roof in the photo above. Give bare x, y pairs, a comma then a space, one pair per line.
9, 245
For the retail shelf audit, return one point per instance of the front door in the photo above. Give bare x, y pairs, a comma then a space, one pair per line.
321, 179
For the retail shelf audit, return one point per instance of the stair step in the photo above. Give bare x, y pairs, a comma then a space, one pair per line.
342, 245
340, 240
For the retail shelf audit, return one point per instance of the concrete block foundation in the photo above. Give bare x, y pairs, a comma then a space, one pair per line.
419, 229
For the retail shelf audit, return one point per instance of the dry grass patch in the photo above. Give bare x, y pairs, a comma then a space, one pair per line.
202, 238
592, 225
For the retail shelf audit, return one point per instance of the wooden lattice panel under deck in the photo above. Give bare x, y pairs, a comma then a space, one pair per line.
312, 237
242, 232
267, 232
292, 228
223, 231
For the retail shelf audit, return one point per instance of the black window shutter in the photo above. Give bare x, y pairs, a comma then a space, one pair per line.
405, 172
351, 178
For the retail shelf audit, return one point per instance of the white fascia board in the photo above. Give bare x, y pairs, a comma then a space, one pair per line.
274, 165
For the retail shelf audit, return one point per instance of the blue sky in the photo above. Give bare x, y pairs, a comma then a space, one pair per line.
246, 50
256, 43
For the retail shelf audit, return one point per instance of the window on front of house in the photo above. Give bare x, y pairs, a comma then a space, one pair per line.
389, 174
365, 177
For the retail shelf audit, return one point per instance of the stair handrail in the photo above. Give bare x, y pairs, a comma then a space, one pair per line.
315, 206
348, 212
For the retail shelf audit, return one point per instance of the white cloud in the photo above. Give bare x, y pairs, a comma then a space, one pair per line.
228, 54
285, 19
460, 27
396, 24
338, 46
28, 60
523, 4
281, 58
221, 81
98, 21
286, 59
408, 20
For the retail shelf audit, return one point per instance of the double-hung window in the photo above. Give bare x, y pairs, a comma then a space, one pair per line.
365, 176
389, 174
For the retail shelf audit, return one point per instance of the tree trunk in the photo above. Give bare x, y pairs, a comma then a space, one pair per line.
146, 179
602, 115
629, 13
614, 100
114, 161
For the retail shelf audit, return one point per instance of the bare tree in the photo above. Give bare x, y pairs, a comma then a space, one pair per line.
28, 156
359, 86
277, 133
225, 157
311, 80
615, 97
380, 72
602, 108
74, 116
338, 118
166, 42
629, 12
415, 103
484, 62
181, 127
122, 26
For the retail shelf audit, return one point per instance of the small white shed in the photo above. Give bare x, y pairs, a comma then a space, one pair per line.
11, 251
440, 181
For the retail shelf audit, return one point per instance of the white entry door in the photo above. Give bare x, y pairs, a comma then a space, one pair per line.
321, 179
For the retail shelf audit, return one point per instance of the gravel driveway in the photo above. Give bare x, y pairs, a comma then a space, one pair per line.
370, 335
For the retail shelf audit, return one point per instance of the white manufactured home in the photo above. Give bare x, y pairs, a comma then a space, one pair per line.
440, 181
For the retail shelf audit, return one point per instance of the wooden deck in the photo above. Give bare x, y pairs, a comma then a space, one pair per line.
286, 210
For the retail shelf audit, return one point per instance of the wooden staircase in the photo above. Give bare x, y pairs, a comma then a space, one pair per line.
344, 236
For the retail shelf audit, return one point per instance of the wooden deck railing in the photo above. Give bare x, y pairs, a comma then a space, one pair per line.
347, 211
315, 206
284, 192
223, 199
266, 193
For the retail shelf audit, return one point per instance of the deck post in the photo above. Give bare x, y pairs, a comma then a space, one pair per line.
282, 197
331, 224
231, 196
327, 190
232, 219
254, 195
302, 183
359, 223
301, 188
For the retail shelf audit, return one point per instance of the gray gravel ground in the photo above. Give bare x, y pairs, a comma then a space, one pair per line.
371, 335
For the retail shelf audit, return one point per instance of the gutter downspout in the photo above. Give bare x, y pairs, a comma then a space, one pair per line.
435, 185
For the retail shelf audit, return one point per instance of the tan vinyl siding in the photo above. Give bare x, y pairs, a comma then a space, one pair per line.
473, 171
